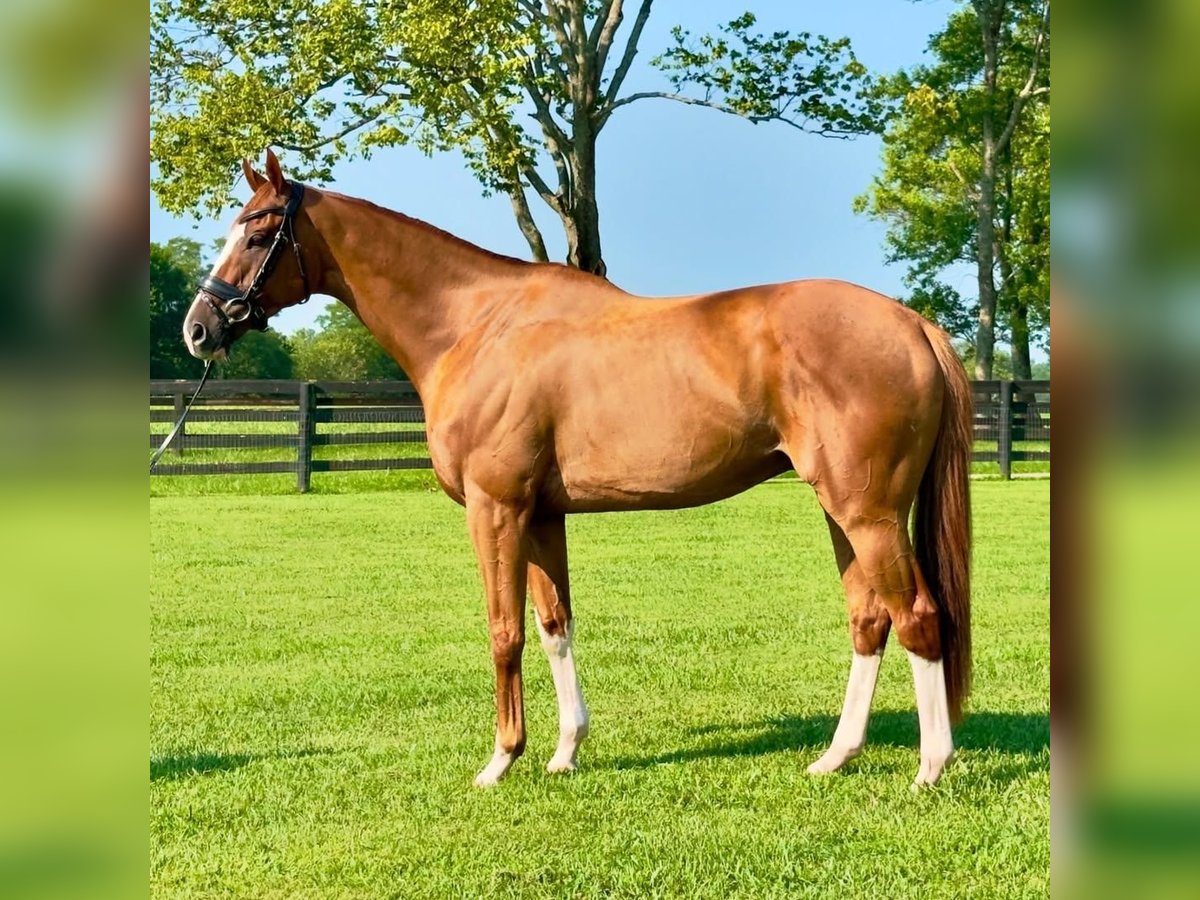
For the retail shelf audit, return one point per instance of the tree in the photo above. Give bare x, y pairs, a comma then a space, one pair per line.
258, 354
332, 80
341, 349
966, 174
175, 269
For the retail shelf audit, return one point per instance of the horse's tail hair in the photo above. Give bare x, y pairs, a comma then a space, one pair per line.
942, 522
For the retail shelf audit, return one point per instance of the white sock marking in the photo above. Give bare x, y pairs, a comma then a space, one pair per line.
937, 744
572, 711
496, 768
851, 733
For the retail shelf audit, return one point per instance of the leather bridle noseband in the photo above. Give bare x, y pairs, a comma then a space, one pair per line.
240, 305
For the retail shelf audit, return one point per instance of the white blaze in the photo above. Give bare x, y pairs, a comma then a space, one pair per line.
236, 234
232, 242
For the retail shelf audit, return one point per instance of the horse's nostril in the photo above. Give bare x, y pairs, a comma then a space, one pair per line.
198, 333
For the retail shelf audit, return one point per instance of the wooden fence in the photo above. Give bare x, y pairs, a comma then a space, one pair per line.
1011, 414
290, 420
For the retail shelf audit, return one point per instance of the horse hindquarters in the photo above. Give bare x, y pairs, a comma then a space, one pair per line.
868, 466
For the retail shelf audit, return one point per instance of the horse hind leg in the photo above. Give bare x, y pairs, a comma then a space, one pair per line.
550, 590
869, 624
883, 550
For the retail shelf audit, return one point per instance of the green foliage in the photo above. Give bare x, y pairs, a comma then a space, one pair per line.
932, 156
331, 80
340, 349
320, 702
175, 269
258, 354
230, 77
811, 82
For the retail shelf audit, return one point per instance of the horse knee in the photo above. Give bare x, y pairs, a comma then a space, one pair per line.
508, 644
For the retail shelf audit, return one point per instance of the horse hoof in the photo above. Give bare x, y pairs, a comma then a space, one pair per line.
494, 770
930, 771
558, 766
831, 761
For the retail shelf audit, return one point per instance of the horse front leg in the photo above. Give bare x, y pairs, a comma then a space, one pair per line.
549, 586
499, 532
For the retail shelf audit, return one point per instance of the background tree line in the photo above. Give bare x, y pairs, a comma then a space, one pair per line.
965, 168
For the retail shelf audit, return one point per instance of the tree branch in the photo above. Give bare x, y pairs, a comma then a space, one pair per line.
1028, 90
541, 105
968, 187
551, 198
533, 236
555, 138
618, 78
720, 107
606, 25
559, 26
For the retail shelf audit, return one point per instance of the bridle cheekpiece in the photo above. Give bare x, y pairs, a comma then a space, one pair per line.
237, 305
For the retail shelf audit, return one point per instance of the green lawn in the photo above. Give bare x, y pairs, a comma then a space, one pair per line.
322, 698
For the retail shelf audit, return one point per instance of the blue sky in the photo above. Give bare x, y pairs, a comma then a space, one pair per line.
691, 199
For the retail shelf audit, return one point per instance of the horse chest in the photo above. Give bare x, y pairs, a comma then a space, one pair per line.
502, 460
447, 457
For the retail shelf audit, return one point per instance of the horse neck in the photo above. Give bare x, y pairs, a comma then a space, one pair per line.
417, 289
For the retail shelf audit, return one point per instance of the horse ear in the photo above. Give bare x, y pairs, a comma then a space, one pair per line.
274, 172
254, 179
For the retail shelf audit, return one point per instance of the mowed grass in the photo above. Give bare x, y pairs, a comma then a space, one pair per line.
322, 698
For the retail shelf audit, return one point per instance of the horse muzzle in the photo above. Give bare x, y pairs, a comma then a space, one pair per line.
204, 334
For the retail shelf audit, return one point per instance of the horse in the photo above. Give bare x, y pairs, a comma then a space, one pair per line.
549, 391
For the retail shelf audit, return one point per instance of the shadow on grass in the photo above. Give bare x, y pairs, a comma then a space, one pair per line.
1026, 734
164, 768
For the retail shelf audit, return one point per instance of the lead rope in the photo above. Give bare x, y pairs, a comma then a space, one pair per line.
162, 448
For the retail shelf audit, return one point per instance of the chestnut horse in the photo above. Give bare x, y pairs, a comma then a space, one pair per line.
549, 391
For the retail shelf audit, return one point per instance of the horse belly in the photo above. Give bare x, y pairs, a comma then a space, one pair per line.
629, 461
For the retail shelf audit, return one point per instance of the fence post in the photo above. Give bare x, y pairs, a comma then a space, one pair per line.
306, 427
1005, 426
179, 406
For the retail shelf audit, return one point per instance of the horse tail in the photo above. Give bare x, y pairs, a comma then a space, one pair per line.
942, 522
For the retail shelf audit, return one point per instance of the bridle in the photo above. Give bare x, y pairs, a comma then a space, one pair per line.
240, 305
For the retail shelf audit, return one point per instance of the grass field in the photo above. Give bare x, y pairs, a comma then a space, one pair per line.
322, 697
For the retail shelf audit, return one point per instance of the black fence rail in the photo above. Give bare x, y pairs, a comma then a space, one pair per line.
282, 426
1015, 415
302, 427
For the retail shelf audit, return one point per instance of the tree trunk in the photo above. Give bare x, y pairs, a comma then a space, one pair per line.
583, 236
1012, 282
985, 237
583, 239
1018, 319
989, 15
